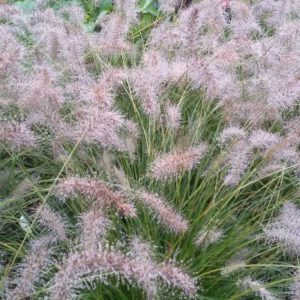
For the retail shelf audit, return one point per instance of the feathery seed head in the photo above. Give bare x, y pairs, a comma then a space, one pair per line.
30, 269
257, 287
239, 159
143, 273
168, 6
235, 263
172, 164
94, 226
207, 237
164, 212
95, 191
52, 221
284, 229
172, 116
232, 133
263, 140
17, 135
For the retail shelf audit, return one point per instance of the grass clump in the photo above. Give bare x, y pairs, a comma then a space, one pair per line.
149, 150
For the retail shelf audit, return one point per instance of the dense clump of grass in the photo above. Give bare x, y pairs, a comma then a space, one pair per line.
149, 150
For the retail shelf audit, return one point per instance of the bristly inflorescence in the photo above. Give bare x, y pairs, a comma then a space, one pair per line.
170, 165
29, 271
284, 229
52, 221
208, 236
163, 212
257, 287
17, 135
235, 264
95, 191
94, 226
142, 273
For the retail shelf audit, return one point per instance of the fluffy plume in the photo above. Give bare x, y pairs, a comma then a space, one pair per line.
52, 221
271, 169
235, 264
254, 113
11, 52
147, 92
148, 81
238, 160
283, 230
172, 116
289, 155
232, 133
168, 6
193, 20
96, 191
94, 226
243, 23
274, 10
284, 91
166, 44
128, 9
206, 237
101, 127
257, 287
41, 98
115, 27
38, 256
16, 135
113, 35
100, 95
102, 92
30, 270
232, 267
175, 276
114, 262
292, 128
61, 40
141, 252
172, 164
263, 140
164, 212
41, 92
9, 12
132, 135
